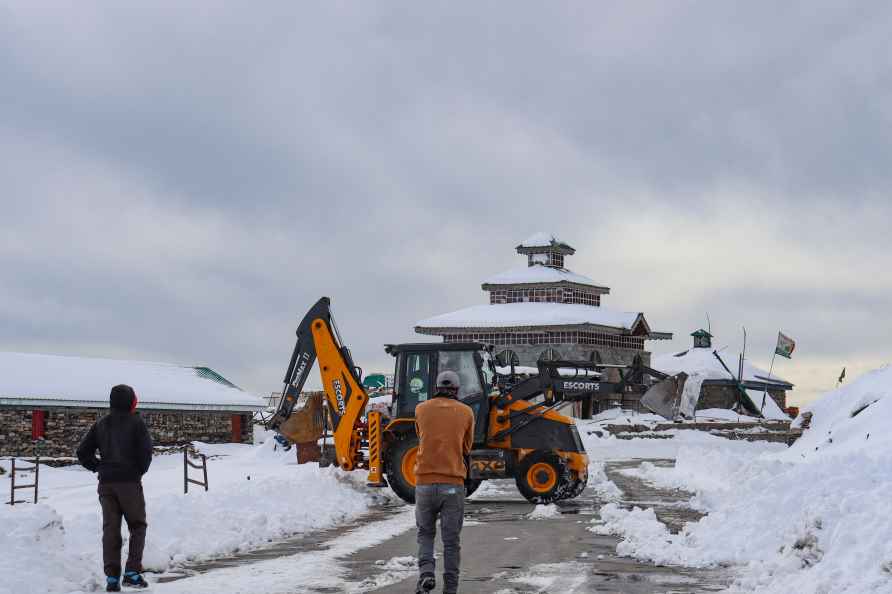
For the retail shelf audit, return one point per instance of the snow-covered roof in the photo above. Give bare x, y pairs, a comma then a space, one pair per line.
765, 403
28, 379
702, 363
540, 239
539, 273
530, 315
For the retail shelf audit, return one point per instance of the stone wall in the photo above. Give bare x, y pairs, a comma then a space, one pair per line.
725, 396
65, 427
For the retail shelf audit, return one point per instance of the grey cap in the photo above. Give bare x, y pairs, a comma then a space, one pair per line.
448, 383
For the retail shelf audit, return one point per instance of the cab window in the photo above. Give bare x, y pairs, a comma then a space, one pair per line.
462, 363
415, 383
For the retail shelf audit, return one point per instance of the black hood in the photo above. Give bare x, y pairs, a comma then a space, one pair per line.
121, 398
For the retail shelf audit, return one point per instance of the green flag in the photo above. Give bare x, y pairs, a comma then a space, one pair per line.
785, 345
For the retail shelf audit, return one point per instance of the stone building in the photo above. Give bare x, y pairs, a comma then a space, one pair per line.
545, 310
48, 402
717, 388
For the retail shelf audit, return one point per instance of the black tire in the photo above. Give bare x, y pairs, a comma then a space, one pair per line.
542, 477
403, 486
575, 488
472, 485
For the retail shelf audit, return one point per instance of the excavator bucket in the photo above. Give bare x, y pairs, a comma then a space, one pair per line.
305, 425
666, 398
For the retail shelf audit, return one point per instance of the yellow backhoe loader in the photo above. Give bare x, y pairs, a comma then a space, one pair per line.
518, 432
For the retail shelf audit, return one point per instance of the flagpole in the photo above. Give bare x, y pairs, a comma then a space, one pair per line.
765, 393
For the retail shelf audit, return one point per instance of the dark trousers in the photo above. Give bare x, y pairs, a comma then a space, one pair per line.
122, 500
448, 503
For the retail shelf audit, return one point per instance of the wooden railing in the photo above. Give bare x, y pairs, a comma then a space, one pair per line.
14, 487
187, 463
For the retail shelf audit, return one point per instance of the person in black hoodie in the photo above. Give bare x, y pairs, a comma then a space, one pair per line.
125, 452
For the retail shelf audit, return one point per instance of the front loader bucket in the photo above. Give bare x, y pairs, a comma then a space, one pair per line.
666, 398
305, 425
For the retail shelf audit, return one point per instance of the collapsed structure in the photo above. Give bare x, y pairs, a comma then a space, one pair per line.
713, 380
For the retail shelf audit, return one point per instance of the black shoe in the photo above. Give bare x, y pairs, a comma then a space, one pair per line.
134, 580
112, 584
426, 583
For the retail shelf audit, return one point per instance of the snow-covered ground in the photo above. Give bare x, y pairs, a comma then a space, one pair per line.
814, 518
257, 494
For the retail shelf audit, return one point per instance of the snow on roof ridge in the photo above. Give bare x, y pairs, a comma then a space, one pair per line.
113, 359
538, 273
530, 314
540, 239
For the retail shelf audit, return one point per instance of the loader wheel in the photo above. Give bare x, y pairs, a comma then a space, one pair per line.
542, 477
472, 485
400, 464
575, 488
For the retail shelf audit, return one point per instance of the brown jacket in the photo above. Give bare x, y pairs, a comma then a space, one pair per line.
445, 430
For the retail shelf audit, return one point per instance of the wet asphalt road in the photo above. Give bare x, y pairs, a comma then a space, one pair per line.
506, 552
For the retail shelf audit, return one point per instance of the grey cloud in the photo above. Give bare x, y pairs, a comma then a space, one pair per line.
186, 180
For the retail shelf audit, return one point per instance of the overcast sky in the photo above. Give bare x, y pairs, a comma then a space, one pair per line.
180, 182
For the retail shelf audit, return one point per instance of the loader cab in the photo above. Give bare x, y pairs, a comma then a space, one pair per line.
418, 364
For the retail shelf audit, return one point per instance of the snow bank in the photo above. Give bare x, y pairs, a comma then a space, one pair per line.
814, 518
257, 494
854, 419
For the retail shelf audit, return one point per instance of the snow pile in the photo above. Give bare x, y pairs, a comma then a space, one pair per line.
257, 494
544, 512
814, 518
854, 419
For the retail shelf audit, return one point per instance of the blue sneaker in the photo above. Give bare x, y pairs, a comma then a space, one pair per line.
112, 584
132, 579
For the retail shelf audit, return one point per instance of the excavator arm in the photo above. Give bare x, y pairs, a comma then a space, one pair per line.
345, 398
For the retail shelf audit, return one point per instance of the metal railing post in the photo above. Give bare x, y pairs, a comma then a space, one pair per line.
36, 475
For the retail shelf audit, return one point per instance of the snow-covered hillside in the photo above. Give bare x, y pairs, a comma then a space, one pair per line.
256, 494
814, 518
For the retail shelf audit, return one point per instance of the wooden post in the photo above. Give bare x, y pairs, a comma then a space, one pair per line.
36, 476
185, 470
204, 469
12, 484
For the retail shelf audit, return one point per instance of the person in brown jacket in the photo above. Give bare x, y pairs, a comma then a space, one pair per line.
445, 429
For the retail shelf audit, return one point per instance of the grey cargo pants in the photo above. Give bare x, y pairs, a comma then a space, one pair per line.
448, 503
122, 500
